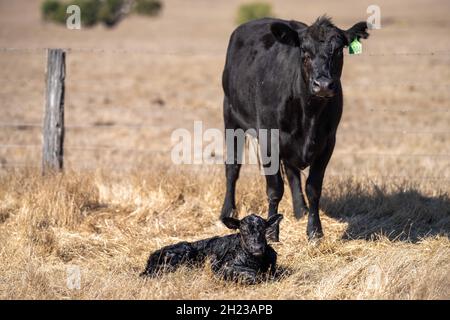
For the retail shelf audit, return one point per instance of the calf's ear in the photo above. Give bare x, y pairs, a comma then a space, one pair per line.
273, 222
358, 31
231, 223
285, 34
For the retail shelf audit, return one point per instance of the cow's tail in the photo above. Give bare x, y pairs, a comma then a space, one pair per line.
283, 170
253, 151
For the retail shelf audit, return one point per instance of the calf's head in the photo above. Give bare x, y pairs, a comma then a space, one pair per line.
321, 56
253, 230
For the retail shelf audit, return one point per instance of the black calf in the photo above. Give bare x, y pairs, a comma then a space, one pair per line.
243, 256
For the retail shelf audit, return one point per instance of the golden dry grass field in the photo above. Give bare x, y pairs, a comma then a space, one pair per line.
385, 208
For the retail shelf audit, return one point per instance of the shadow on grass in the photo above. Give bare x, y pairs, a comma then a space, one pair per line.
400, 215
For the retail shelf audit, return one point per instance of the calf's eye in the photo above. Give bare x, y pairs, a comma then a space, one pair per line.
306, 57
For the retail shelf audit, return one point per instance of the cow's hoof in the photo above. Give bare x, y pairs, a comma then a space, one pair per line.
315, 235
314, 242
228, 212
147, 274
300, 212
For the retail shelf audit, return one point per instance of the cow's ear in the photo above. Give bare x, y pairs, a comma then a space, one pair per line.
285, 34
231, 223
358, 31
272, 223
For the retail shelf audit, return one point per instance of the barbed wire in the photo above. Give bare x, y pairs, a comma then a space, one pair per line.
383, 54
373, 83
410, 110
94, 125
349, 106
116, 51
381, 155
219, 169
167, 127
194, 53
20, 125
415, 86
86, 147
168, 151
393, 131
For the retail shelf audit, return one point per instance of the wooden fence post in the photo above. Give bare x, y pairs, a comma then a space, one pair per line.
53, 128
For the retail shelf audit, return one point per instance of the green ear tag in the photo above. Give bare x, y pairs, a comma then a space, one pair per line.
355, 47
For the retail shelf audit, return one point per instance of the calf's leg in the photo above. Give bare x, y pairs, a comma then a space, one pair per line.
243, 274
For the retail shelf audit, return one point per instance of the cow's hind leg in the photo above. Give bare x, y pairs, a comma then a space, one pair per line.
234, 141
295, 184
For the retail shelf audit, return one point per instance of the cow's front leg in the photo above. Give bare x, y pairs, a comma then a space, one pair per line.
314, 191
274, 190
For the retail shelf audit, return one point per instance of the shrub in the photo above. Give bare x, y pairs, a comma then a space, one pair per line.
51, 9
148, 7
252, 11
110, 11
56, 10
95, 11
89, 10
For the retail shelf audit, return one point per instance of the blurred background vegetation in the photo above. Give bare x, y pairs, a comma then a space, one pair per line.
108, 12
252, 11
111, 12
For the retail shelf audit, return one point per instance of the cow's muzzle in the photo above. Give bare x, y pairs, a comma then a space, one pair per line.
323, 87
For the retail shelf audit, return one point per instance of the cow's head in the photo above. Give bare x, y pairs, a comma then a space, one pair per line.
321, 46
253, 230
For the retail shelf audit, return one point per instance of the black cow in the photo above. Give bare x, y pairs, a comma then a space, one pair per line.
285, 75
244, 256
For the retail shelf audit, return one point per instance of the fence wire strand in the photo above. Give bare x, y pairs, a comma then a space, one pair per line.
168, 151
162, 127
196, 53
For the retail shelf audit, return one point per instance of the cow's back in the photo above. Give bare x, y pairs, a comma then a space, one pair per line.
258, 73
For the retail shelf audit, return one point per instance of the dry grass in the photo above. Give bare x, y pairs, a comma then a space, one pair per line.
387, 226
382, 241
